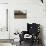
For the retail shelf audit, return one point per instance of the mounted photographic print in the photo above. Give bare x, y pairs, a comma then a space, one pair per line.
20, 14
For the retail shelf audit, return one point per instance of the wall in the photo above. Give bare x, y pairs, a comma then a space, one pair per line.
3, 1
45, 30
35, 13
